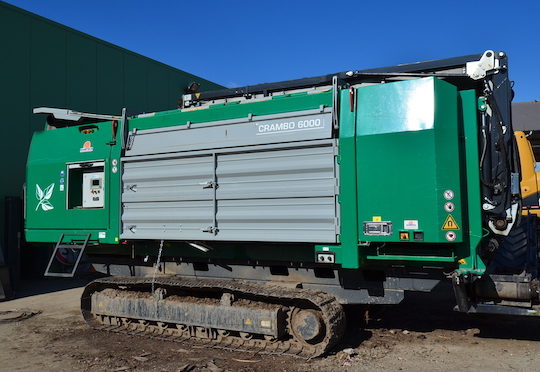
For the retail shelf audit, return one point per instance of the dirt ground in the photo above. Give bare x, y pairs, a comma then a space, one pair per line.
421, 334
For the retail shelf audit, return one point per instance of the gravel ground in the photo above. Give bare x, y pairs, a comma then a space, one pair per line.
421, 334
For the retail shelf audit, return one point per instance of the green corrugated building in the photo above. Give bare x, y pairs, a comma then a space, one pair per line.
44, 63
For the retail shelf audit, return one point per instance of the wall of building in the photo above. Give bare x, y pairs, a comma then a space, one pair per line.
526, 117
44, 63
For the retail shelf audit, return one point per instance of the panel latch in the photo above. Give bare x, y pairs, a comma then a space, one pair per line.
210, 229
209, 185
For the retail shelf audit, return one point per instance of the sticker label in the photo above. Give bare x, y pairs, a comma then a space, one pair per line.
449, 207
377, 219
450, 224
410, 224
404, 235
451, 236
87, 147
448, 194
102, 234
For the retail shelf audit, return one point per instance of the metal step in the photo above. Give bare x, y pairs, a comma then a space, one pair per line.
56, 268
504, 310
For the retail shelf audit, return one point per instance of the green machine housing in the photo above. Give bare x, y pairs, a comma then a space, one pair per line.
405, 156
381, 178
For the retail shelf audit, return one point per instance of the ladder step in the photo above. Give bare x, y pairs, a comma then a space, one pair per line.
72, 246
67, 264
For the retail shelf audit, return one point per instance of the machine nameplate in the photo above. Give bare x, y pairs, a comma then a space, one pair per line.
378, 228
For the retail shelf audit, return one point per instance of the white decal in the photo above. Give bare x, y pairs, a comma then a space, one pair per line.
289, 126
43, 197
410, 224
448, 195
450, 236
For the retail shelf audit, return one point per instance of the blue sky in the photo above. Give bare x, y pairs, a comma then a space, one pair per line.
238, 43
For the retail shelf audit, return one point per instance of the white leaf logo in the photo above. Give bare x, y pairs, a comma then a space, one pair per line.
39, 192
43, 197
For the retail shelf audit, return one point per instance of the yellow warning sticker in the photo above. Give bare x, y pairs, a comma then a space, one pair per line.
377, 219
450, 224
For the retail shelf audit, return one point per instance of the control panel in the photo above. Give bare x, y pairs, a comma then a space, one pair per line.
93, 190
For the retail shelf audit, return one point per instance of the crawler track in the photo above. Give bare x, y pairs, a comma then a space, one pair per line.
292, 300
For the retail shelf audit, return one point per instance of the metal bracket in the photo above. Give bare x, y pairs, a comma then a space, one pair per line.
124, 129
478, 69
70, 115
335, 102
130, 139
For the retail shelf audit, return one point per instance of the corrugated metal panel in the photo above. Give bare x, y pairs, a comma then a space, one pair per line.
286, 195
278, 220
285, 127
168, 180
167, 220
301, 172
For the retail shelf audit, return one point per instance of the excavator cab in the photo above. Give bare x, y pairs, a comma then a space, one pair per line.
530, 178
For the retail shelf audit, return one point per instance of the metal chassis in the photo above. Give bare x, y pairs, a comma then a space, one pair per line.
365, 286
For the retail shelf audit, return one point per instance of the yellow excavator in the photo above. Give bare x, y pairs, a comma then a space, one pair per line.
530, 178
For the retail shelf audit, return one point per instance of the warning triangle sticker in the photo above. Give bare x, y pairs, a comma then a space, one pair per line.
450, 224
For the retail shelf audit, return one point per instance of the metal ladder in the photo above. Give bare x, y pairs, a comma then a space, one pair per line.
80, 247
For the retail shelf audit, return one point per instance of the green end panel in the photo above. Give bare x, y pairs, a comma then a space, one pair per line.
407, 151
48, 213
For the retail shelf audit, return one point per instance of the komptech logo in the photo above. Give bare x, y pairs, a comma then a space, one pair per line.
87, 147
43, 197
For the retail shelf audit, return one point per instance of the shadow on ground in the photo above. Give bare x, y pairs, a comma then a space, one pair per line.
429, 312
34, 287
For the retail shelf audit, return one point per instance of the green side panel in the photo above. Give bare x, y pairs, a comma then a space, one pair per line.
48, 76
407, 152
15, 35
135, 84
158, 81
467, 251
50, 154
348, 254
110, 63
82, 90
